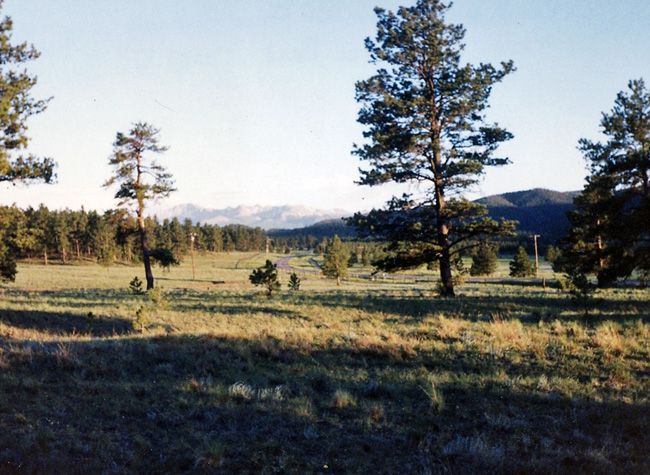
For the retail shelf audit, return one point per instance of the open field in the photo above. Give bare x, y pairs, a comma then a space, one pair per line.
369, 377
303, 262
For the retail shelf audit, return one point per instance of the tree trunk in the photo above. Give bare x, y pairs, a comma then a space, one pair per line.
443, 232
45, 256
445, 263
145, 250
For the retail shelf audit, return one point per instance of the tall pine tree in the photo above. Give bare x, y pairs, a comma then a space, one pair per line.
611, 224
140, 178
16, 106
424, 117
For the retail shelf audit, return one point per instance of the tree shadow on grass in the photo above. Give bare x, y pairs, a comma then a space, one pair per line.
472, 308
66, 323
232, 405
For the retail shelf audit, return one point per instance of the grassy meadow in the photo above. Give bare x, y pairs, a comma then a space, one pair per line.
369, 377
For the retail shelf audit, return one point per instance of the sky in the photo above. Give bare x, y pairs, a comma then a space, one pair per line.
255, 98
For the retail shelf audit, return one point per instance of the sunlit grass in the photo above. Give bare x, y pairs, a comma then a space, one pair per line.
367, 377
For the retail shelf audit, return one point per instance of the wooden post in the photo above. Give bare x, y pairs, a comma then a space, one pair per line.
535, 236
192, 236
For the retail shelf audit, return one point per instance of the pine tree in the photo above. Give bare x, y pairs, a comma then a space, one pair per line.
140, 179
16, 106
294, 282
521, 265
266, 276
335, 260
424, 114
484, 259
611, 223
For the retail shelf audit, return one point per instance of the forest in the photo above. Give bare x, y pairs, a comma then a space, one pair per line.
66, 236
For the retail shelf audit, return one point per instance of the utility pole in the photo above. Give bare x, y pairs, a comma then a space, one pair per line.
535, 236
192, 237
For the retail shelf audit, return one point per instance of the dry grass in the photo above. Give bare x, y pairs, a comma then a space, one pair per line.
369, 377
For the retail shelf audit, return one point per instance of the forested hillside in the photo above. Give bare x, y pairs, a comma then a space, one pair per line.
538, 211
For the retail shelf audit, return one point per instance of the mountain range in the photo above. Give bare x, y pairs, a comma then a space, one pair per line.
266, 217
539, 211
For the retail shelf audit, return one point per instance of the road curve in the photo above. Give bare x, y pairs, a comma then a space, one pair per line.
283, 264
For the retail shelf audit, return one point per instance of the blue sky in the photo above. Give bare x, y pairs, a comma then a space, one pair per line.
256, 97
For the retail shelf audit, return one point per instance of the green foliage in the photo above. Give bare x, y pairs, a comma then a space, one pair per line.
139, 179
135, 286
294, 282
365, 257
552, 254
521, 265
423, 111
582, 290
611, 224
107, 237
164, 257
159, 298
12, 236
335, 260
141, 320
266, 276
107, 254
460, 272
16, 106
7, 264
433, 265
484, 259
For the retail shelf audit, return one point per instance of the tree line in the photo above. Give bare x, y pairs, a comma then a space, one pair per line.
72, 236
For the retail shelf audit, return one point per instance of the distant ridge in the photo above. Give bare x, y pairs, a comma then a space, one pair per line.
539, 211
322, 229
530, 198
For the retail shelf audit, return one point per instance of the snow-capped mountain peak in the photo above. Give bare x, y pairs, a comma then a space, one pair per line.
266, 217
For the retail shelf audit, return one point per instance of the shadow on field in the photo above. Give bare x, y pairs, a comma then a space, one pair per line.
229, 308
65, 323
231, 405
472, 308
200, 281
468, 307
